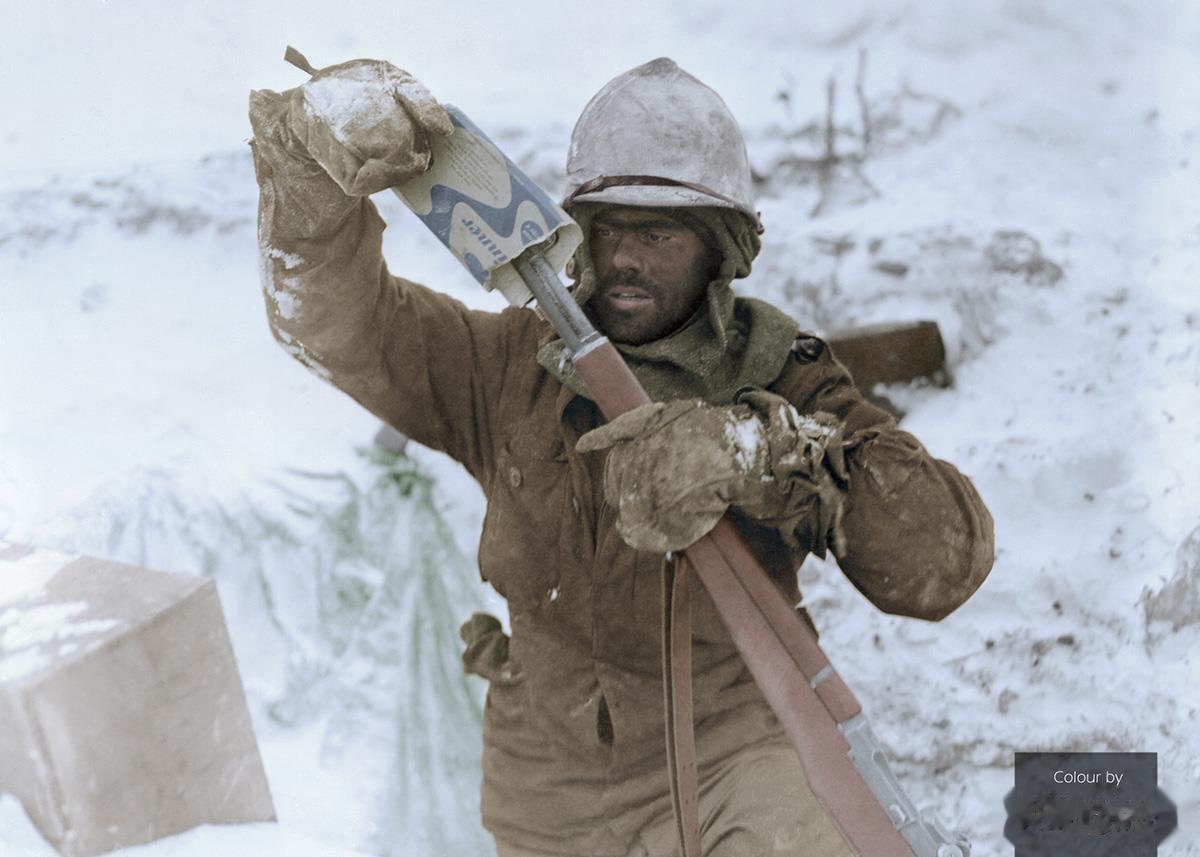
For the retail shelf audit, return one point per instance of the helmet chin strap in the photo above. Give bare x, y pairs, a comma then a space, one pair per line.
604, 182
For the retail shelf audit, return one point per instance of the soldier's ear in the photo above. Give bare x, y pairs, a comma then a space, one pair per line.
570, 269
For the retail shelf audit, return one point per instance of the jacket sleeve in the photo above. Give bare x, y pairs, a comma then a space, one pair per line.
918, 538
418, 360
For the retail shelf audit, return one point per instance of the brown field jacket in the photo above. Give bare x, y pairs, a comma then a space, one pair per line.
560, 773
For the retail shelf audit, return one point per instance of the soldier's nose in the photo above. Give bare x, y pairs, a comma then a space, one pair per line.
627, 255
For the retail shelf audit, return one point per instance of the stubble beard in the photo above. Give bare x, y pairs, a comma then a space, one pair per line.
626, 327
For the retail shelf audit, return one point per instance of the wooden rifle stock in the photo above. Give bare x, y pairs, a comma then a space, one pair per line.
795, 676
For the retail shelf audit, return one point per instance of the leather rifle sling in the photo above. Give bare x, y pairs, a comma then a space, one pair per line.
677, 694
809, 698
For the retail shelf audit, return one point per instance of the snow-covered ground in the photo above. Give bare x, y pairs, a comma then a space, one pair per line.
1030, 182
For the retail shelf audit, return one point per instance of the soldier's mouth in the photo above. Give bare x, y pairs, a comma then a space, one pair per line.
628, 299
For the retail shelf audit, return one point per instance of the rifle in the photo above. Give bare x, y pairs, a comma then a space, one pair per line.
842, 758
512, 237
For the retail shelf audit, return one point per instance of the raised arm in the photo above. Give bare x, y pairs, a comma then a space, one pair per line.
419, 360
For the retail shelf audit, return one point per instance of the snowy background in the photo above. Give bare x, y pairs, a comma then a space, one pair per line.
1028, 179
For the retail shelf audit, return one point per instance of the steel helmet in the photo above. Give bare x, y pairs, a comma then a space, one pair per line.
656, 136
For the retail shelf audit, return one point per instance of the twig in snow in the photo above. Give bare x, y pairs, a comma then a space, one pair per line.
825, 165
864, 110
830, 128
945, 109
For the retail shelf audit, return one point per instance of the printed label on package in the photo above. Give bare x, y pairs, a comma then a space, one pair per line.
486, 210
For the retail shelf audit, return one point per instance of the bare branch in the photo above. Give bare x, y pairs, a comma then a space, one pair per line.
830, 129
864, 110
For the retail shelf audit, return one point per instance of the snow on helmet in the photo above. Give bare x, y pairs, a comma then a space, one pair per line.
655, 136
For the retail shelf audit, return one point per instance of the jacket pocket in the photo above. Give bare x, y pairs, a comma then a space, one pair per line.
520, 550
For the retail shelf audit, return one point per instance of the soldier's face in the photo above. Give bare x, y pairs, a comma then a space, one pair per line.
652, 273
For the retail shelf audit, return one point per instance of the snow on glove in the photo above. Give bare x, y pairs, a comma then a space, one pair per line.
675, 467
486, 654
367, 123
802, 492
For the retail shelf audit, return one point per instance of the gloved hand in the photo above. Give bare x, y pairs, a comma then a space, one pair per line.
803, 491
486, 654
365, 122
676, 467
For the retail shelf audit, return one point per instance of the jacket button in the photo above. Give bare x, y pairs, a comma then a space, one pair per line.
514, 477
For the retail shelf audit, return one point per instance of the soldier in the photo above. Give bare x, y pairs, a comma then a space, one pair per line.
751, 414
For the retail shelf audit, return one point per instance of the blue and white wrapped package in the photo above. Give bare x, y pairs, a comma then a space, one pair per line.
487, 211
